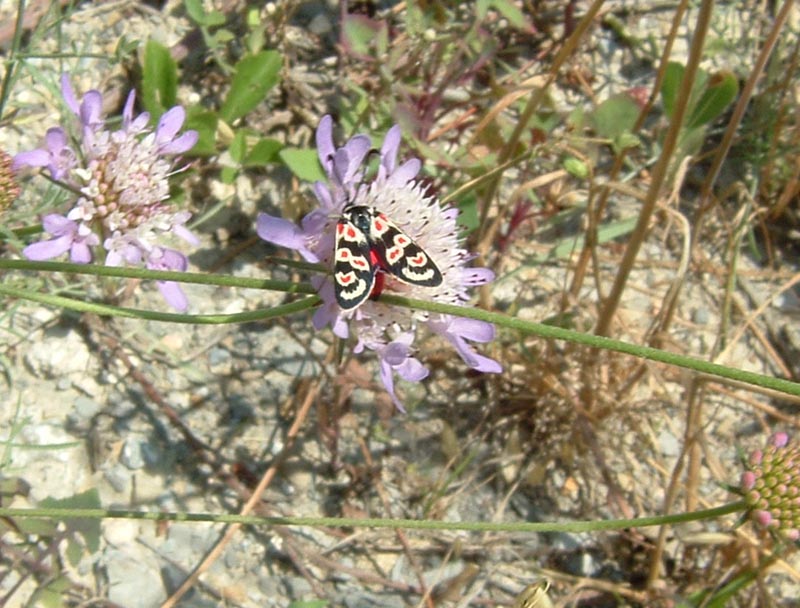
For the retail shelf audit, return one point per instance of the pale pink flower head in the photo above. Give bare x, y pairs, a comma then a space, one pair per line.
389, 331
122, 180
771, 487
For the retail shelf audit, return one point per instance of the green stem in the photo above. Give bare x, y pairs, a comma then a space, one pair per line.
645, 352
526, 327
410, 524
151, 315
158, 275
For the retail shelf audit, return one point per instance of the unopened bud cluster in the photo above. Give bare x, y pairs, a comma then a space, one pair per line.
9, 190
771, 487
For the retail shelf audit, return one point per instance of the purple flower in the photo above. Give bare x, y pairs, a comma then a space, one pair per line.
169, 259
389, 331
57, 155
122, 181
67, 236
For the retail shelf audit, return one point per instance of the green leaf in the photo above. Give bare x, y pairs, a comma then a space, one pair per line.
255, 75
721, 597
52, 595
615, 116
511, 12
88, 528
576, 167
195, 10
228, 174
359, 32
238, 147
303, 163
670, 86
468, 213
74, 552
605, 233
38, 526
264, 152
625, 141
159, 79
721, 90
222, 36
205, 123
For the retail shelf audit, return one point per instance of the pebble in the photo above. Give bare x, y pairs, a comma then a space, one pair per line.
131, 455
669, 445
134, 577
701, 315
118, 477
85, 408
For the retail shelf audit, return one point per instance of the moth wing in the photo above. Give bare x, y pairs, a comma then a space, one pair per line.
353, 270
401, 256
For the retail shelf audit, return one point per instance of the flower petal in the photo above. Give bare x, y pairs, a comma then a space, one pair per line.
477, 276
389, 148
167, 259
323, 195
31, 158
405, 173
56, 140
58, 225
186, 234
282, 232
174, 295
91, 110
127, 110
169, 124
475, 360
47, 250
388, 383
412, 370
472, 329
80, 252
181, 144
69, 95
324, 138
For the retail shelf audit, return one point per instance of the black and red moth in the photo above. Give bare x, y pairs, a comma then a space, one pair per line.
367, 243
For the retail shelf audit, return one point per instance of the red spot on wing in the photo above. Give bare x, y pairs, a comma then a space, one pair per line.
393, 254
419, 260
378, 226
401, 240
339, 228
351, 232
373, 257
346, 279
344, 254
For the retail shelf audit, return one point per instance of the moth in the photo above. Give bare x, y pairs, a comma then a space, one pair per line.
367, 244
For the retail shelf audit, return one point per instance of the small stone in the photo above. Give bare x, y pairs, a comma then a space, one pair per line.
134, 578
131, 455
173, 342
118, 478
84, 408
581, 564
296, 586
668, 443
320, 25
701, 315
218, 357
